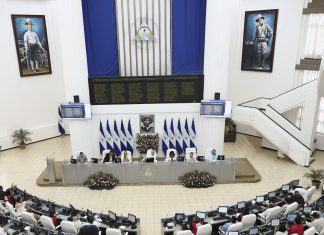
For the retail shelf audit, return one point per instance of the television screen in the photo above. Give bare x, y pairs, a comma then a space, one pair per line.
75, 111
216, 108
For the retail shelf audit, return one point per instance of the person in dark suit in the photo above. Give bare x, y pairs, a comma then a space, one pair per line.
110, 157
295, 198
2, 194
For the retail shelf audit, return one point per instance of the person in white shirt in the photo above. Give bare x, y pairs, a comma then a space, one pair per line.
32, 45
318, 222
213, 156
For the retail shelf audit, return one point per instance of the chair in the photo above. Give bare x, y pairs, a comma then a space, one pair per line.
309, 193
310, 231
89, 229
113, 231
28, 217
129, 155
68, 227
290, 208
184, 232
3, 209
104, 153
191, 150
167, 157
321, 232
47, 223
248, 221
273, 213
148, 154
205, 229
11, 210
235, 227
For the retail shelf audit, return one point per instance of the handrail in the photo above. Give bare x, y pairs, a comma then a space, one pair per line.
283, 116
279, 126
294, 88
254, 100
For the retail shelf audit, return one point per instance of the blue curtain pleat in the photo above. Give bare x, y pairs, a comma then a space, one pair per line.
99, 19
188, 36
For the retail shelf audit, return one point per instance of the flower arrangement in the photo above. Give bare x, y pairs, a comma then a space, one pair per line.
196, 179
101, 180
146, 142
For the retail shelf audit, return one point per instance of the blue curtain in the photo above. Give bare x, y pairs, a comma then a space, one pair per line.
99, 19
188, 36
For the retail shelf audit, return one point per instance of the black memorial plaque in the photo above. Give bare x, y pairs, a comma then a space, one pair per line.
146, 90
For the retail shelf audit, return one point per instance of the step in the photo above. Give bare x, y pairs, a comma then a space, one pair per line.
316, 10
311, 61
315, 4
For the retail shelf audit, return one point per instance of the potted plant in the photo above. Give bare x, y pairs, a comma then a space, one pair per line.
21, 137
146, 142
230, 130
315, 176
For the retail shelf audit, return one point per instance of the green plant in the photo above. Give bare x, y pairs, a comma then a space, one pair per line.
21, 137
315, 174
230, 125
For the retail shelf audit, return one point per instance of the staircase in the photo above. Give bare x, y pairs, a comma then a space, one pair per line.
264, 115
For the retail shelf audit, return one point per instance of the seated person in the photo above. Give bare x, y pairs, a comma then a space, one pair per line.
191, 157
318, 222
172, 156
82, 158
51, 214
9, 197
265, 212
295, 198
213, 156
297, 227
226, 226
19, 206
110, 157
282, 230
195, 224
91, 227
2, 195
125, 156
151, 154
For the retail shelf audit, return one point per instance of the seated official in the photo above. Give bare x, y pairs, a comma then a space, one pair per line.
82, 158
110, 157
91, 227
226, 226
172, 156
318, 222
150, 156
297, 227
213, 156
282, 230
2, 194
125, 156
295, 198
191, 157
195, 224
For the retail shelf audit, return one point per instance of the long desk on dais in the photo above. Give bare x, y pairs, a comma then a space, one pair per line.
137, 173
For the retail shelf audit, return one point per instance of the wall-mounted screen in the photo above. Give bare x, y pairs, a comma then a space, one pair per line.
216, 108
75, 111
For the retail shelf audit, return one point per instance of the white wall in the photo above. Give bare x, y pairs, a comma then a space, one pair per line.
29, 102
245, 85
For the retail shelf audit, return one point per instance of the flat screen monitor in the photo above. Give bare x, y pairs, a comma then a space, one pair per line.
150, 159
201, 214
240, 205
131, 218
253, 231
259, 199
72, 110
275, 222
118, 159
220, 157
180, 159
233, 233
285, 187
291, 217
216, 108
308, 209
222, 209
112, 215
179, 217
295, 183
271, 194
94, 160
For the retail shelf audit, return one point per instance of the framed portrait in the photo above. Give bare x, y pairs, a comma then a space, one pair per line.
260, 29
31, 44
147, 124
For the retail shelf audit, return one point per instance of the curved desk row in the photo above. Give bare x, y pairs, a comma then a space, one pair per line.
158, 172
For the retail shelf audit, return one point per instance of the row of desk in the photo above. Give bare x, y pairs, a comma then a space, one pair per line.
41, 207
215, 218
137, 173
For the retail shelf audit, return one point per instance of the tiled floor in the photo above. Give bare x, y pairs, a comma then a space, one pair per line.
150, 203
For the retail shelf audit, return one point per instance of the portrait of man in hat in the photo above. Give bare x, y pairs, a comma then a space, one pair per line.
146, 124
259, 40
31, 44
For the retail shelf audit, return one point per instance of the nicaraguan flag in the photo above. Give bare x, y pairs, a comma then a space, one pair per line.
60, 123
123, 140
179, 138
109, 137
192, 134
116, 140
165, 138
102, 138
171, 136
186, 136
130, 139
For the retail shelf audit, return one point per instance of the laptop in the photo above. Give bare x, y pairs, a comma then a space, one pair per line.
200, 158
220, 157
117, 160
151, 159
73, 161
94, 160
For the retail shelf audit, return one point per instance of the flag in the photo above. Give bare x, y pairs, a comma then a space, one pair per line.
116, 144
171, 136
123, 140
165, 138
109, 137
186, 136
102, 138
193, 129
60, 123
192, 144
129, 137
179, 138
186, 127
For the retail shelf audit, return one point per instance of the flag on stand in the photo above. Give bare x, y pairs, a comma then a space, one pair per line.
109, 137
129, 137
102, 138
186, 136
171, 136
178, 138
193, 134
60, 123
116, 140
165, 138
123, 140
